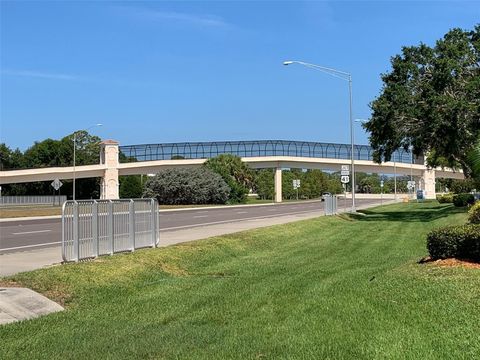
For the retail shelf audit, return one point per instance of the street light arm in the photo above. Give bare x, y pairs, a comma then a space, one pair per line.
337, 73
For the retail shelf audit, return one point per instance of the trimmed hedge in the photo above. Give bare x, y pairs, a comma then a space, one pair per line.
444, 199
461, 200
474, 213
462, 242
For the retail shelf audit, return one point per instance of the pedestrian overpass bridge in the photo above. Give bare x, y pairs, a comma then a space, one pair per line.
118, 160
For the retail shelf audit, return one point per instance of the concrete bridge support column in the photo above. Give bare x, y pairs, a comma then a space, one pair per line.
109, 158
278, 184
428, 180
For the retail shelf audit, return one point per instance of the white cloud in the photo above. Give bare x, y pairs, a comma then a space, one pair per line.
206, 20
41, 74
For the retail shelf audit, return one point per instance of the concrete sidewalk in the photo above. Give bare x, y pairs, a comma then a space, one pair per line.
35, 259
18, 304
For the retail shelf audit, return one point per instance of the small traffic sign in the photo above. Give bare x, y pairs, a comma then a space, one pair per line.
345, 179
411, 184
296, 184
345, 168
56, 184
381, 183
345, 172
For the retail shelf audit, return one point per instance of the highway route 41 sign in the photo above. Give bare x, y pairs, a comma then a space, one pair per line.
56, 184
345, 179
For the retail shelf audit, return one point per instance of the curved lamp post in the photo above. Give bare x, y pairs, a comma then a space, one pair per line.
74, 151
347, 77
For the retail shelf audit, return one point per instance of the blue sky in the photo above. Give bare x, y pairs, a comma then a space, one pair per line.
198, 71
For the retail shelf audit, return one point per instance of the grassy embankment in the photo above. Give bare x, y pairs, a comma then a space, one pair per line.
328, 288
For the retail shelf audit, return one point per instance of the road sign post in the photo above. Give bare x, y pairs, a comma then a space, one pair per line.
296, 185
56, 184
381, 192
345, 179
411, 187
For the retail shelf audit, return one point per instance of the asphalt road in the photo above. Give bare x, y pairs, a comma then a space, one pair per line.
21, 235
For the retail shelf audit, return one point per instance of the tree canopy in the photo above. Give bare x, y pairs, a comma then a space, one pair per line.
430, 100
48, 153
238, 175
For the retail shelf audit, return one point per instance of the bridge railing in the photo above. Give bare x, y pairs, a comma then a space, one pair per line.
91, 228
205, 150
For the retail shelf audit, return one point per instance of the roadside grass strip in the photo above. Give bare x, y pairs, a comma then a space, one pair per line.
345, 287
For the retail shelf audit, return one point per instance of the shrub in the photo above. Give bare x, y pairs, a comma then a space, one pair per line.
463, 199
474, 213
444, 199
461, 242
187, 187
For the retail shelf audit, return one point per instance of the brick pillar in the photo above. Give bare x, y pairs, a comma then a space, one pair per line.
109, 158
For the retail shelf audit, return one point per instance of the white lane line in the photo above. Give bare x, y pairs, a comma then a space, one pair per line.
242, 212
30, 246
200, 216
31, 232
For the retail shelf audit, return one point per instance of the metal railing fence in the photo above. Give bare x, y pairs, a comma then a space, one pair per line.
91, 228
33, 200
331, 205
205, 150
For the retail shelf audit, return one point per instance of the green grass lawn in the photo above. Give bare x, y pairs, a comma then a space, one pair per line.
328, 288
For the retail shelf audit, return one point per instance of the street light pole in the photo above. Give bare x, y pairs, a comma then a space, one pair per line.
347, 77
395, 174
74, 154
74, 151
352, 140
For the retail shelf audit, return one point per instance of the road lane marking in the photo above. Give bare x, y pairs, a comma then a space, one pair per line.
200, 216
30, 246
31, 232
242, 212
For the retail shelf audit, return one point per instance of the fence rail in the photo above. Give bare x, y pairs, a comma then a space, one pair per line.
33, 199
91, 228
205, 150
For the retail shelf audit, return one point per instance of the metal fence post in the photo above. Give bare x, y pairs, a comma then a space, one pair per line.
131, 222
111, 235
157, 211
95, 228
64, 255
154, 223
76, 242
